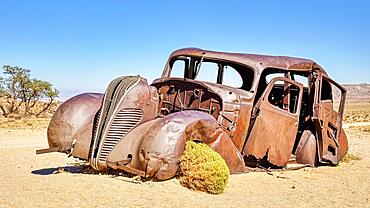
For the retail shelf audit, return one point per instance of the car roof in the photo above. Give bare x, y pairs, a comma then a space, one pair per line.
258, 62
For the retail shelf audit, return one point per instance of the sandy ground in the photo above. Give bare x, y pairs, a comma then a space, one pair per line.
27, 180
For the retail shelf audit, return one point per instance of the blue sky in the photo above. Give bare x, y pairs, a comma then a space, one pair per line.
82, 45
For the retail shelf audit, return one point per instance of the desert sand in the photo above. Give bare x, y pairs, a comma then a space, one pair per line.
30, 180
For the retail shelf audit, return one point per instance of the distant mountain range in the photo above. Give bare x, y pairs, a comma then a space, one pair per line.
67, 94
357, 92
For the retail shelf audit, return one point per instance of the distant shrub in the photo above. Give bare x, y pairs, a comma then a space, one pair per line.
365, 129
203, 169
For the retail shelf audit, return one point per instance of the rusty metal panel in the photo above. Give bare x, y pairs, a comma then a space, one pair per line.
73, 120
273, 135
328, 121
274, 131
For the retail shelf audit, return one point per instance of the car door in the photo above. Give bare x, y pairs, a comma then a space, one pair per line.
328, 112
275, 122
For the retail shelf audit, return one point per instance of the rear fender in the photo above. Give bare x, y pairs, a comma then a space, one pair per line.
155, 147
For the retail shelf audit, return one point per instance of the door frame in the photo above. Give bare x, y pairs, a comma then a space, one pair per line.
322, 122
259, 149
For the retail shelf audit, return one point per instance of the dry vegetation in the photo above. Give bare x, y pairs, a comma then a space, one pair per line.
350, 157
357, 111
24, 123
203, 169
365, 129
17, 121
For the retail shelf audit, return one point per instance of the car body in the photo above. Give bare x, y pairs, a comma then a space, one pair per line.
254, 110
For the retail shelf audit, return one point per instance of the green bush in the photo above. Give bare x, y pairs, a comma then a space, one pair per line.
203, 169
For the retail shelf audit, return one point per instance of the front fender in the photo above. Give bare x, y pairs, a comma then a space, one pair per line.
74, 120
155, 147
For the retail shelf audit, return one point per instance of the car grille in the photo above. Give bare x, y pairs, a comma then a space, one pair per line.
95, 128
124, 121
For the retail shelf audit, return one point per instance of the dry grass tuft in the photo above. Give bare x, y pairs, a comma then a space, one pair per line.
24, 123
350, 157
356, 116
203, 169
365, 129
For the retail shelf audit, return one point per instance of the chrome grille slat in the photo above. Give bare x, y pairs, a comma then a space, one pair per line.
119, 129
110, 143
128, 121
125, 119
108, 146
116, 134
113, 137
123, 115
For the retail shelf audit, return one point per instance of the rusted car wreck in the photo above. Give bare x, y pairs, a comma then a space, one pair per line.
283, 110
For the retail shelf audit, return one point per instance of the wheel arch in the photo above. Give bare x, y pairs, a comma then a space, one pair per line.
156, 146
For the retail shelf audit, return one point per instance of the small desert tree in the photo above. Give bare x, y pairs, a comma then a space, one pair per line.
19, 92
11, 88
